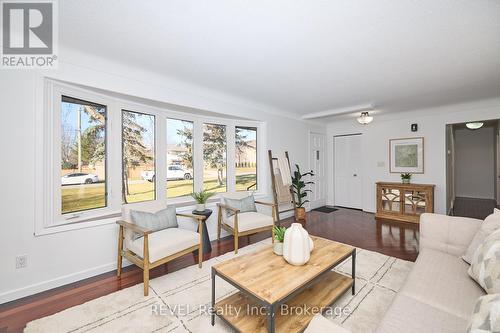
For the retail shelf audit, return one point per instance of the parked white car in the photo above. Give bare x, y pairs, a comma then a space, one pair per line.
78, 178
174, 172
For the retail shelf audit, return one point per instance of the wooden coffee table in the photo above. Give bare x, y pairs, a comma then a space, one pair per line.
271, 291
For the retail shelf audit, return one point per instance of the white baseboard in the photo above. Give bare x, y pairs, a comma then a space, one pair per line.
36, 288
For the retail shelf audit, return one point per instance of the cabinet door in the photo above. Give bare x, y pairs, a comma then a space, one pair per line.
390, 200
415, 202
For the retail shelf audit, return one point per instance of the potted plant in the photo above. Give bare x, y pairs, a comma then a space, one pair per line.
300, 192
279, 236
405, 178
201, 199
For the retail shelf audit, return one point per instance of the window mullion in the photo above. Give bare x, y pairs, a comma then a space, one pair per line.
198, 155
114, 159
230, 164
161, 158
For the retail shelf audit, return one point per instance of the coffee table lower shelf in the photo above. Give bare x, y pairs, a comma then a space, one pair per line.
320, 295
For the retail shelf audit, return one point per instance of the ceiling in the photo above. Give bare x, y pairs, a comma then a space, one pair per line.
303, 56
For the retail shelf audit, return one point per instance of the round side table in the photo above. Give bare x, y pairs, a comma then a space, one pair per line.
207, 247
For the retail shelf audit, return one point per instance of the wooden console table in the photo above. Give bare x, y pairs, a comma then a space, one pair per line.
404, 202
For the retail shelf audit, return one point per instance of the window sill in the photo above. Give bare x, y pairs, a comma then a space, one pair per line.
89, 223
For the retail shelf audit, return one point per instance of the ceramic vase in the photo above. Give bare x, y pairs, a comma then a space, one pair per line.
200, 207
278, 248
297, 245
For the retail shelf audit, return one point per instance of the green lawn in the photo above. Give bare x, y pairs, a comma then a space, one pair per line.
84, 197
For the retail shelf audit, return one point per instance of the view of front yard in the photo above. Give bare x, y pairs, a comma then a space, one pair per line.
89, 196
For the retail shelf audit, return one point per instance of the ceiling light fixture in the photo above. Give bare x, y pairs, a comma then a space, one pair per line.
474, 125
365, 118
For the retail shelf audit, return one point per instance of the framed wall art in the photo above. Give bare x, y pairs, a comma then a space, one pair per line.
406, 155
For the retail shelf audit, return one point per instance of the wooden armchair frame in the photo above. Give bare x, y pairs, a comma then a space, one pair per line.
143, 262
234, 231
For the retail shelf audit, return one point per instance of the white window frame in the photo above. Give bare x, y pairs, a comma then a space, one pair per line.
48, 209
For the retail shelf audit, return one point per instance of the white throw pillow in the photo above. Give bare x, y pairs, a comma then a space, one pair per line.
485, 265
490, 224
486, 315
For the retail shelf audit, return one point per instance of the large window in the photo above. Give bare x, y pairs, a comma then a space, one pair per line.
246, 158
179, 158
96, 152
83, 155
214, 157
138, 156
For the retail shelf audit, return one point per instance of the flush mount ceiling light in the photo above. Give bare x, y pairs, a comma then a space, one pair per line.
474, 125
365, 118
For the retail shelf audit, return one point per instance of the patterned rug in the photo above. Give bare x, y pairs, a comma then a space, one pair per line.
179, 301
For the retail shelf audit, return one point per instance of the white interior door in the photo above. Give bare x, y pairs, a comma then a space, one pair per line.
348, 167
317, 163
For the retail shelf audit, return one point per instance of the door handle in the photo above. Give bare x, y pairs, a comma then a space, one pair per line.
355, 175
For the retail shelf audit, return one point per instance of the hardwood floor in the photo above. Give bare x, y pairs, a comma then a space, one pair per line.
345, 225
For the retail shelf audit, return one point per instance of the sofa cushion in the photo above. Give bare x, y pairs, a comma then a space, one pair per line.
251, 220
441, 280
162, 219
450, 234
485, 265
409, 315
165, 242
486, 316
490, 224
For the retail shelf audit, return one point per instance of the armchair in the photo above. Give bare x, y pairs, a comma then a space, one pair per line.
243, 223
153, 249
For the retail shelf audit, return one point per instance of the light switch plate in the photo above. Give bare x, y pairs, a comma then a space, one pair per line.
380, 164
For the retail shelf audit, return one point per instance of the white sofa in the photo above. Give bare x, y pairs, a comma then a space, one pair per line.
438, 294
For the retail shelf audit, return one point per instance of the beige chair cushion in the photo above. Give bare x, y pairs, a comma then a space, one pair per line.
250, 220
409, 315
166, 242
320, 324
485, 265
440, 280
490, 224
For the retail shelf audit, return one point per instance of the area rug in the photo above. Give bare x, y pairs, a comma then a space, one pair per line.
179, 301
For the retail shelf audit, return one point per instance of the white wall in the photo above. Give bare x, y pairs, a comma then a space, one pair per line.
475, 163
432, 126
61, 258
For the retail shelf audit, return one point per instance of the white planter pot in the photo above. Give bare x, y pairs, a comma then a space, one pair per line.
297, 245
278, 248
200, 207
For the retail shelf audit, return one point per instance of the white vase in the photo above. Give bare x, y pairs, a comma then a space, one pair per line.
200, 207
297, 245
278, 248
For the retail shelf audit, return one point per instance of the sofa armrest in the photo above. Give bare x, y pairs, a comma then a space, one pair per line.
449, 234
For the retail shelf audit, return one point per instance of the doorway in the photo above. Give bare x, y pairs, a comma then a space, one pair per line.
348, 187
473, 169
317, 164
